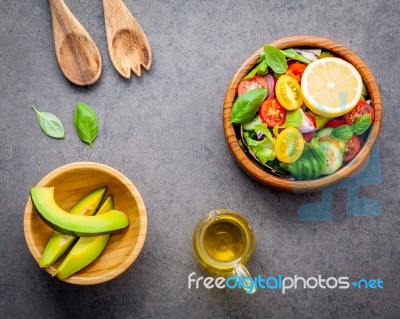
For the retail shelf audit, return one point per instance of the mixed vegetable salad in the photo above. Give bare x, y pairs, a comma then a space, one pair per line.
274, 122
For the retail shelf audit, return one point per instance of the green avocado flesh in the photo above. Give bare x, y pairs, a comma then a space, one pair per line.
86, 249
75, 225
59, 243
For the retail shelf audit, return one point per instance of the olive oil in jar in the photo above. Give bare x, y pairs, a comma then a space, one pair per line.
221, 240
224, 241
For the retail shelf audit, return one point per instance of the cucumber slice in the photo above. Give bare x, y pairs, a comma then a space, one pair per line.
249, 126
334, 154
324, 132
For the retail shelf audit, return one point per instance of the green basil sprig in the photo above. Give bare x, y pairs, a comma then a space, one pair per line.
292, 54
247, 105
275, 59
361, 124
50, 124
261, 69
86, 124
342, 133
345, 132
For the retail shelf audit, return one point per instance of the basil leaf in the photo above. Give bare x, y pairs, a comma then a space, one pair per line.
247, 105
50, 124
342, 133
361, 124
293, 119
292, 54
262, 57
275, 59
86, 124
261, 69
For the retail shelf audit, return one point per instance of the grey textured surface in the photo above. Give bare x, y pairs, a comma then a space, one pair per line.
164, 131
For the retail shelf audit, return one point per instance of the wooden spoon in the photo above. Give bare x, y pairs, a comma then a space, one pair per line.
76, 52
127, 43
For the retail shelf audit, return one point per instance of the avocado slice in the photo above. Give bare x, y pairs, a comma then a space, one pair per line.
86, 249
60, 220
59, 242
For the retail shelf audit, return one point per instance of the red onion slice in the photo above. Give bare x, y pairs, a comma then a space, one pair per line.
271, 85
306, 125
308, 54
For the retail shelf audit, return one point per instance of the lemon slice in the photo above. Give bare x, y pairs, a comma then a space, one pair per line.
331, 86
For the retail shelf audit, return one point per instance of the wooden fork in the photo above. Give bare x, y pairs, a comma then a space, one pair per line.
127, 43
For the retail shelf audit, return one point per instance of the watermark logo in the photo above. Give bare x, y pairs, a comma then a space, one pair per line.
356, 205
282, 283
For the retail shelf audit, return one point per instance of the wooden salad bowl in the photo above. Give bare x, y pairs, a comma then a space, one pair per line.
262, 176
71, 183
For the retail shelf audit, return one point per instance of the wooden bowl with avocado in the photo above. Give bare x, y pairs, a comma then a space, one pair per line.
71, 244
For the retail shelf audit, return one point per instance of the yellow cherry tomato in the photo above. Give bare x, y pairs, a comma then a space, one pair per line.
288, 92
289, 145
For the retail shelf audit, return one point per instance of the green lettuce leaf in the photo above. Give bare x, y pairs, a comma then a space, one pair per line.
293, 119
263, 129
263, 150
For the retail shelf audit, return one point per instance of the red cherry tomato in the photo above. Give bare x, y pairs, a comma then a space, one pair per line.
254, 82
296, 70
312, 118
362, 138
351, 148
335, 123
360, 109
308, 136
272, 113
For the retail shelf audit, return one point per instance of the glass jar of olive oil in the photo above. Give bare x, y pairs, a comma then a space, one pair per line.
223, 242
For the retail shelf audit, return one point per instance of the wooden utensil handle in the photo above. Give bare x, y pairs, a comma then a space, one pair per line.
63, 19
116, 14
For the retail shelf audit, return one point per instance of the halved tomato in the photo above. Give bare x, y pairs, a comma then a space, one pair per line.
361, 108
296, 70
254, 82
351, 148
272, 113
289, 145
335, 122
288, 92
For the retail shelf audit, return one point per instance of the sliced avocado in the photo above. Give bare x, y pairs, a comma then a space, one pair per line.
60, 220
86, 249
59, 242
